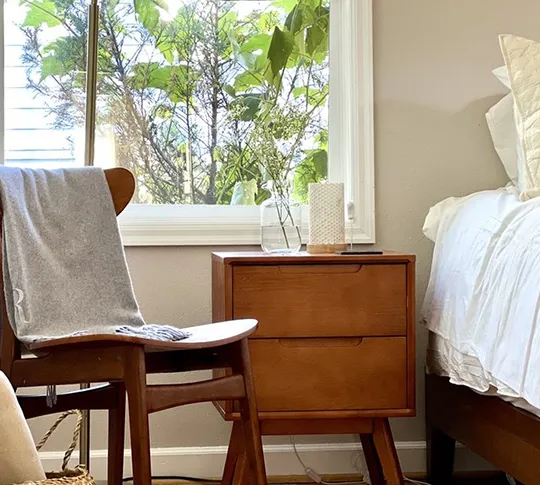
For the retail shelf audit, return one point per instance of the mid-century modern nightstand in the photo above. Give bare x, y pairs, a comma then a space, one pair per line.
334, 351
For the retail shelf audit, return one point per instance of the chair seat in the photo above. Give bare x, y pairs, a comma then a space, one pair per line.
201, 337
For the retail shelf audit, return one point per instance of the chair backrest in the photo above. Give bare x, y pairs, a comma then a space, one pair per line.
122, 186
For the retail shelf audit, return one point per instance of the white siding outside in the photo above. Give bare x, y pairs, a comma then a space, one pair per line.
30, 138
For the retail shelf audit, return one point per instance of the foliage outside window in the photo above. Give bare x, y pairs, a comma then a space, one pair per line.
204, 100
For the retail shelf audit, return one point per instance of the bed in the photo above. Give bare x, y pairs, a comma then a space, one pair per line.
482, 309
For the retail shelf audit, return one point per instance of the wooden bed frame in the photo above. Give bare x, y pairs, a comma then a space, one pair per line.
504, 435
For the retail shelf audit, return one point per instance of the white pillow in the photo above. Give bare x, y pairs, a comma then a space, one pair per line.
500, 121
522, 59
501, 73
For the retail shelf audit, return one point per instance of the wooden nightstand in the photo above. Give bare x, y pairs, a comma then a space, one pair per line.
334, 351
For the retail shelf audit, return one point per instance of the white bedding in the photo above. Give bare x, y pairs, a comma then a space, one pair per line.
444, 360
483, 298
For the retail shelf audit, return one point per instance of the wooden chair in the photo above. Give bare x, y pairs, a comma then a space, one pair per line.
124, 362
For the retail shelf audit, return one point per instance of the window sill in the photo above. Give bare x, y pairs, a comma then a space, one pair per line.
142, 225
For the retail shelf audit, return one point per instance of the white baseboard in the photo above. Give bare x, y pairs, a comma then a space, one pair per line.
328, 458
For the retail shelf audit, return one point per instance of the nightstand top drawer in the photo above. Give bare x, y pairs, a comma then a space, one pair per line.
322, 300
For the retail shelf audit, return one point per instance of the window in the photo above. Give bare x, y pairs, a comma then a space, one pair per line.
192, 96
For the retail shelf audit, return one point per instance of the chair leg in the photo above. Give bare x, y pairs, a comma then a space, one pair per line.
372, 460
440, 456
241, 471
234, 451
386, 451
250, 421
117, 424
135, 381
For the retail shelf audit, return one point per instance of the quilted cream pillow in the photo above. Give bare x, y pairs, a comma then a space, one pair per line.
522, 59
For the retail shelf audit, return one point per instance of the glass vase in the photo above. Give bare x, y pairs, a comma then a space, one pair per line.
280, 225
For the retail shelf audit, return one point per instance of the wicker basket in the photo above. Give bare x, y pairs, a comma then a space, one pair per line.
77, 476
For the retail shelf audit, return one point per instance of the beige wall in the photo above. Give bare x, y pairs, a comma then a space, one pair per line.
432, 87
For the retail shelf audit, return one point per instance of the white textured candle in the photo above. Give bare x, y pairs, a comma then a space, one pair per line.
326, 214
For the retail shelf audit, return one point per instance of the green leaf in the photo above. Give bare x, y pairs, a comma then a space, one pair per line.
312, 169
52, 66
244, 193
280, 49
295, 19
228, 21
299, 44
163, 111
244, 53
167, 48
316, 96
171, 79
320, 162
267, 20
310, 16
251, 103
246, 80
287, 5
315, 36
300, 91
141, 73
259, 41
322, 139
229, 90
246, 60
50, 47
41, 12
261, 63
148, 13
323, 15
321, 54
312, 3
234, 42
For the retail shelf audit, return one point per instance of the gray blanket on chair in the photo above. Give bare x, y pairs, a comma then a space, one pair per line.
65, 272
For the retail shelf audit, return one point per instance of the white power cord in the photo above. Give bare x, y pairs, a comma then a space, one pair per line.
313, 474
510, 479
415, 482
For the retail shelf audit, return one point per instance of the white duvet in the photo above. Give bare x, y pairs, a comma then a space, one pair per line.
483, 296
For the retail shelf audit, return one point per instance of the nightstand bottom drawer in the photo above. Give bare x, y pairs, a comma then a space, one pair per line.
330, 373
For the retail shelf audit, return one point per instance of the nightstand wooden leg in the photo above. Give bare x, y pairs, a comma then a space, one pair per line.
372, 460
386, 451
234, 451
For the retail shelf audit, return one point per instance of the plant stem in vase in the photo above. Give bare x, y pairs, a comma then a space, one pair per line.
280, 223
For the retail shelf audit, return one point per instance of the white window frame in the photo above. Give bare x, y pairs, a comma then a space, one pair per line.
351, 143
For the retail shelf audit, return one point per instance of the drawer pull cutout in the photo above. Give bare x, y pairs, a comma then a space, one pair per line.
320, 269
319, 342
